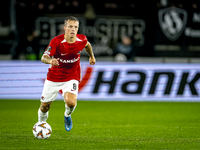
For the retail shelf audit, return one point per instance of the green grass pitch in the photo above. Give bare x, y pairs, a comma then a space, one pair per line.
103, 125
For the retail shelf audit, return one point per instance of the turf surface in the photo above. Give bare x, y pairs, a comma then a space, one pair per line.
103, 125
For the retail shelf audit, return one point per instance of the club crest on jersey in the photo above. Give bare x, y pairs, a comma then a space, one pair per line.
172, 22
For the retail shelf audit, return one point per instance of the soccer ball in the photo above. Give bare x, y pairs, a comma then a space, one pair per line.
42, 130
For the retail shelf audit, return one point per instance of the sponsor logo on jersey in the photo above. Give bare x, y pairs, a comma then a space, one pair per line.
172, 22
63, 54
70, 61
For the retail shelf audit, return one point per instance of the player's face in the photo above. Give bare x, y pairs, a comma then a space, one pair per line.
71, 28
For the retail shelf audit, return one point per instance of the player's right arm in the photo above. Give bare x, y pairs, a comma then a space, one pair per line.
48, 60
49, 52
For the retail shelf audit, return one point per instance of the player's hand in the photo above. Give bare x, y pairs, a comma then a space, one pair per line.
54, 61
92, 60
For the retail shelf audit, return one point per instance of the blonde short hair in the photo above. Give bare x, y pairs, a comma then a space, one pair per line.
70, 18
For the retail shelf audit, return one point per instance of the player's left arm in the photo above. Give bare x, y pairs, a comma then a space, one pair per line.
89, 50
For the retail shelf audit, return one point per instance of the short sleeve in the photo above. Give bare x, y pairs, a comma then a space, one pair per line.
51, 48
85, 39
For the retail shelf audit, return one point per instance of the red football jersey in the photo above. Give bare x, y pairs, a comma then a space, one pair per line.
69, 54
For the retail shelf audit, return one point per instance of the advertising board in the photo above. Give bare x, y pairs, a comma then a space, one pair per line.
107, 81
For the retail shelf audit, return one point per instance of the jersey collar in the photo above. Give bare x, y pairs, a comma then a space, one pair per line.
77, 39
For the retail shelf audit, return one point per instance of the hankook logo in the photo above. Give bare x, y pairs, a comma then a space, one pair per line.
172, 22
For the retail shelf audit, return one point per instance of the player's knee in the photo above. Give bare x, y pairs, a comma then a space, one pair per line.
44, 107
71, 103
70, 99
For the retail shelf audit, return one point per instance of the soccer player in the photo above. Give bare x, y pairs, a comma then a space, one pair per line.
64, 73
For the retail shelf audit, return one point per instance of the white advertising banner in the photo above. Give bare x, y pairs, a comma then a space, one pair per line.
107, 81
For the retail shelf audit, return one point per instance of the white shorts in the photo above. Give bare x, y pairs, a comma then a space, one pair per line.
51, 89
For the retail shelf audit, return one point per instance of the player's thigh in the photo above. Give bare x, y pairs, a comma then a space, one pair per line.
50, 91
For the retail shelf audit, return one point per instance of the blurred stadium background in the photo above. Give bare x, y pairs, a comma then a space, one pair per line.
163, 61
